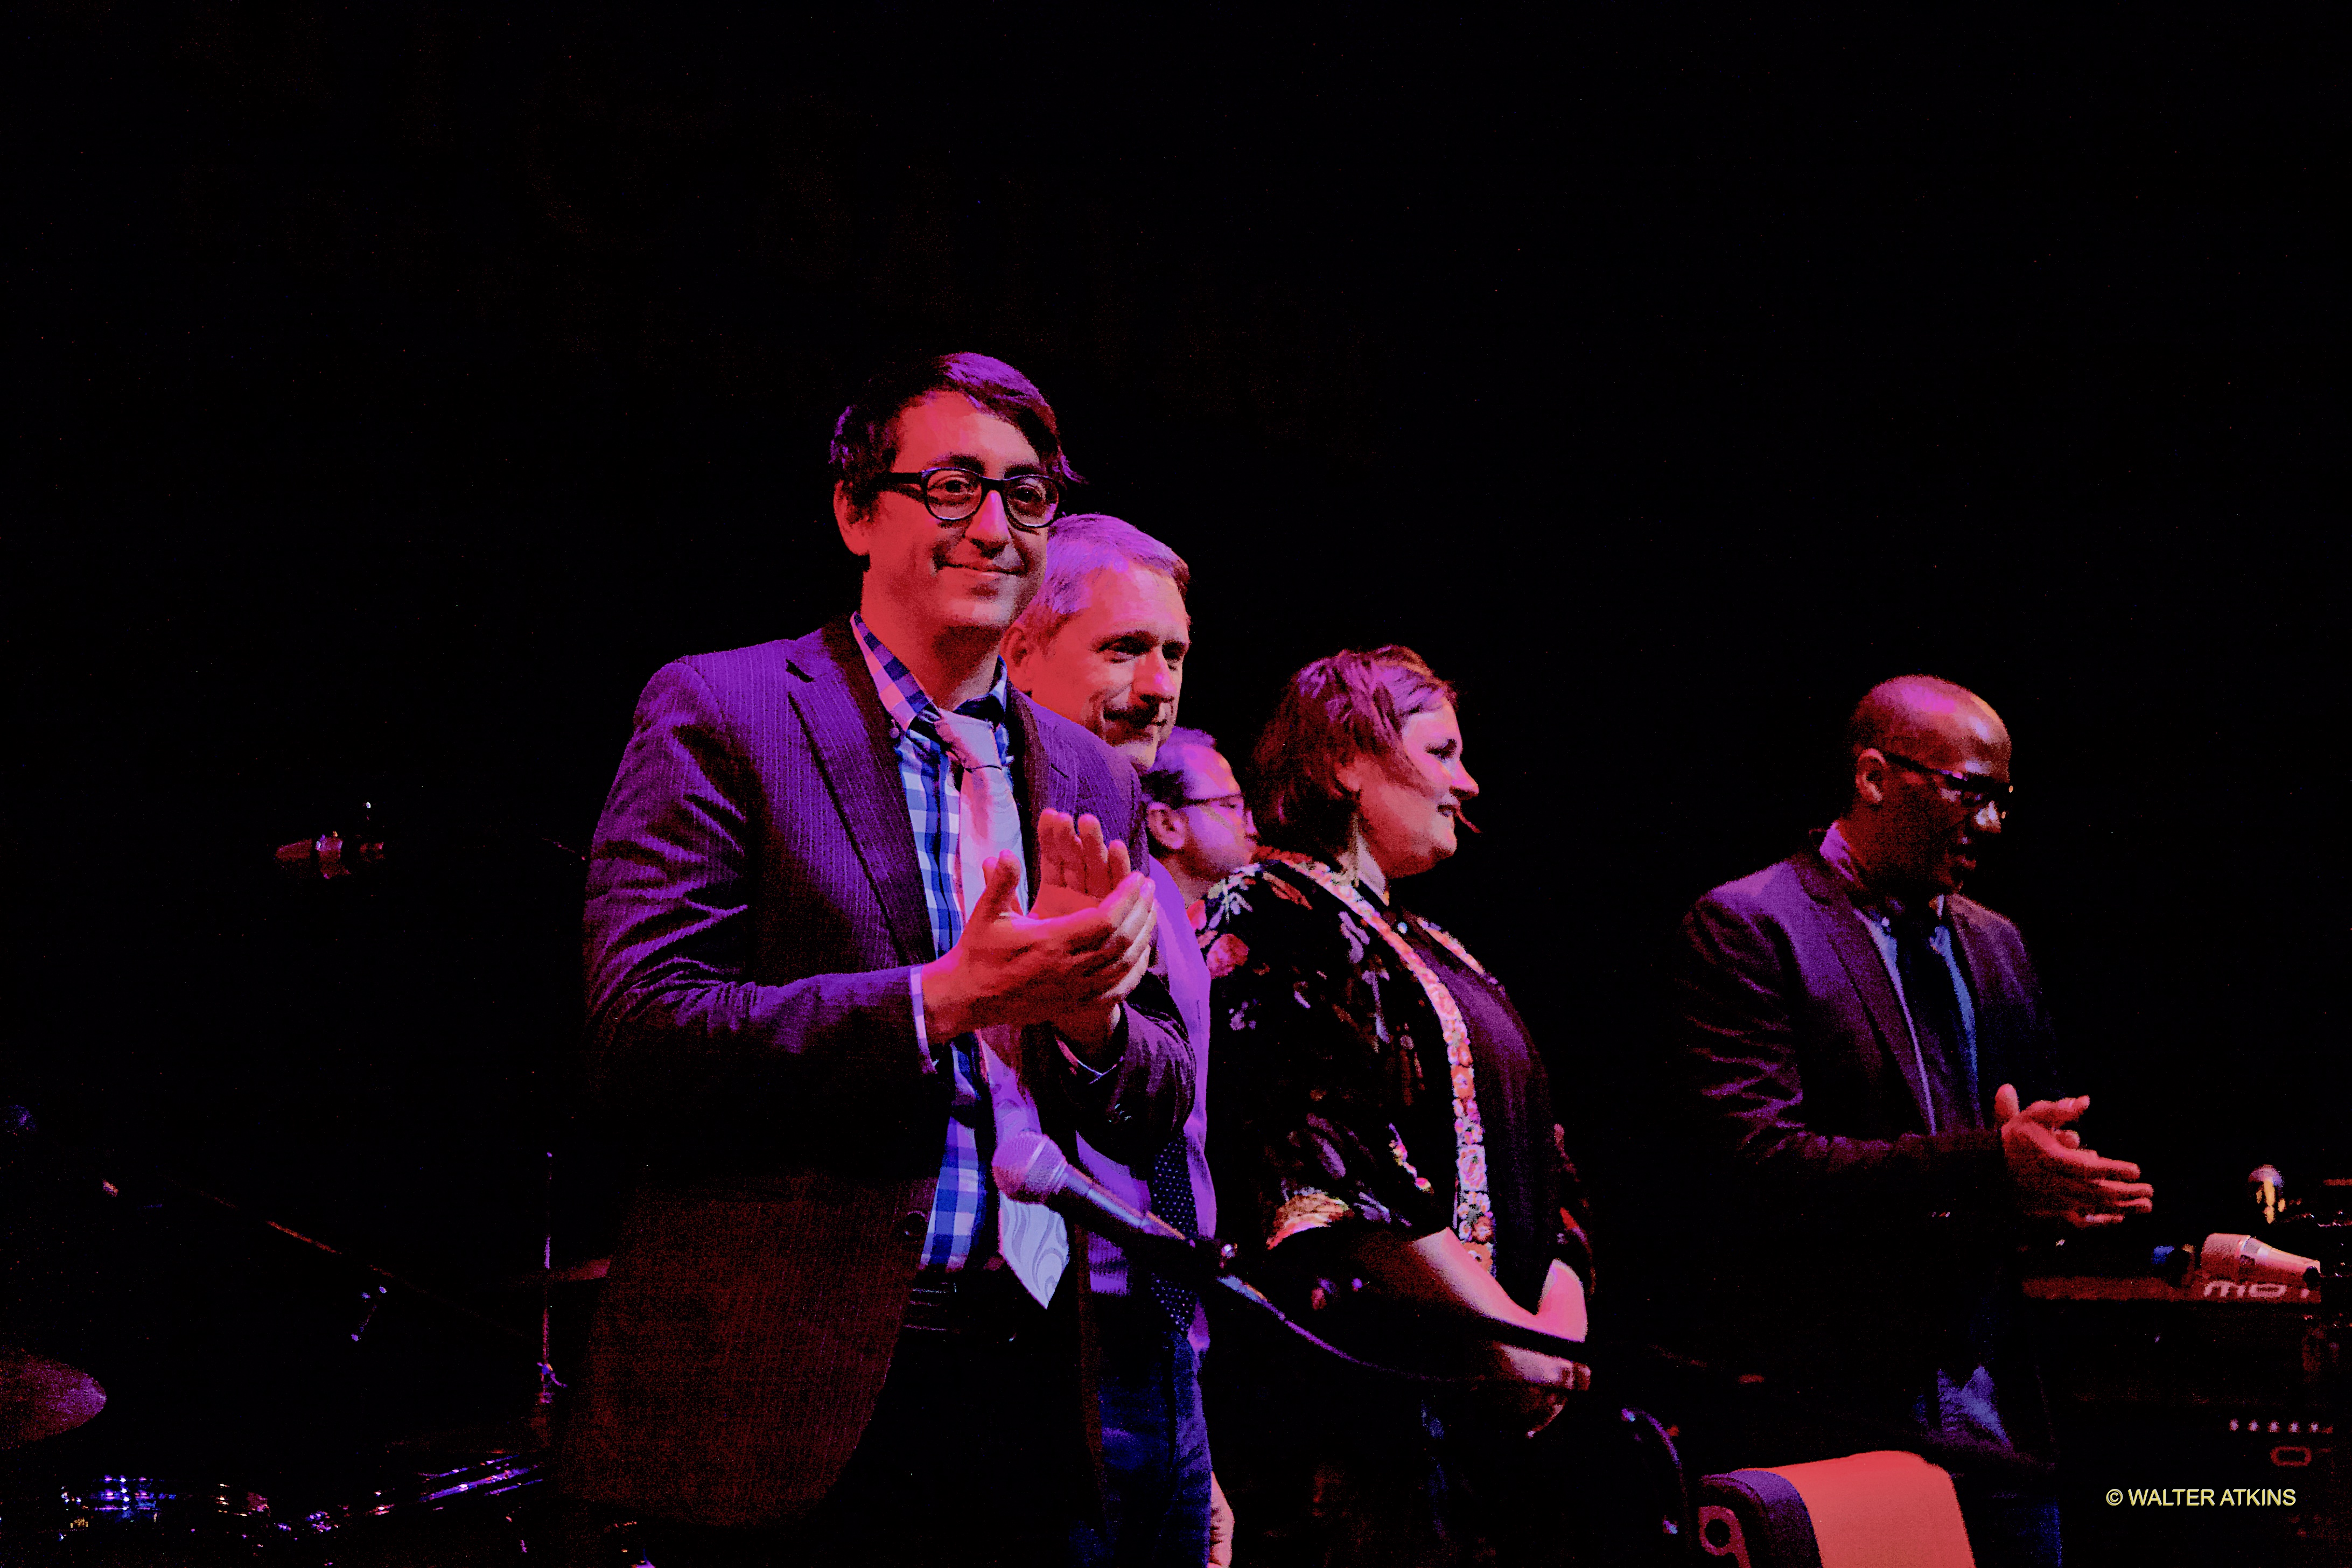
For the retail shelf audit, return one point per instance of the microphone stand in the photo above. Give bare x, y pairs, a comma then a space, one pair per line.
1215, 1262
86, 1168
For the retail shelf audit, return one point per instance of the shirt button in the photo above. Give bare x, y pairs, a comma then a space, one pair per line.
912, 1228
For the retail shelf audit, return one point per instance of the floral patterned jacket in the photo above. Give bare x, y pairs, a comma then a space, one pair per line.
1334, 1099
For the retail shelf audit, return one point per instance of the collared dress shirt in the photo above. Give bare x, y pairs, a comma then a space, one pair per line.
1963, 1402
960, 1213
1879, 914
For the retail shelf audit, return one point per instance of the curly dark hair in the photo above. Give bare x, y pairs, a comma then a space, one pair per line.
1352, 704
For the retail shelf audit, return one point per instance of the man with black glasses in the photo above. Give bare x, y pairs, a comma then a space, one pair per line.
1855, 1038
859, 912
1201, 826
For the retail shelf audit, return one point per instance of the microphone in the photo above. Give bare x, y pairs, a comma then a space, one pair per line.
2250, 1262
1031, 1168
330, 856
2267, 1188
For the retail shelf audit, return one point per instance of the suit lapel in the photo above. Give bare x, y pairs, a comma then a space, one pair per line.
1038, 778
851, 736
1989, 984
1865, 970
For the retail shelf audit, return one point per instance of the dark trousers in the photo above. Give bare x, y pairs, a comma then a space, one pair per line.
962, 1463
1348, 1472
1155, 1445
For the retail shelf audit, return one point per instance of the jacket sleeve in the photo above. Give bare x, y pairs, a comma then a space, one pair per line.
1304, 1053
1739, 1037
675, 1024
1140, 1100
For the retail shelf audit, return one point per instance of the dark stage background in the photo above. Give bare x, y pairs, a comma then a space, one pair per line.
397, 387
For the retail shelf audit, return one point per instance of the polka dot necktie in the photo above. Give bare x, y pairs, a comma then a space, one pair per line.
1171, 1181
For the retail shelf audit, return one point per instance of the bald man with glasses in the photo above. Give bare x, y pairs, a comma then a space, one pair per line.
1871, 1084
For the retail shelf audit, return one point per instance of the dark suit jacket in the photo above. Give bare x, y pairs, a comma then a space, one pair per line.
1835, 1233
754, 909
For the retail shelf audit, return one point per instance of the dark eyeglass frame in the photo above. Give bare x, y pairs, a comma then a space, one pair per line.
1975, 792
1234, 799
922, 486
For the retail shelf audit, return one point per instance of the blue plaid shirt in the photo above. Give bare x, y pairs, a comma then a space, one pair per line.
935, 808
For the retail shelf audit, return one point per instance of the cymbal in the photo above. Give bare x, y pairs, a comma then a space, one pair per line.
40, 1398
483, 1440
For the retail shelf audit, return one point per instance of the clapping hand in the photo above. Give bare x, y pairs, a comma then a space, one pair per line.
2053, 1176
1076, 869
1069, 963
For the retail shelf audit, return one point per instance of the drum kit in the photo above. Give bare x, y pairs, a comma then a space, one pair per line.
458, 1518
467, 1497
463, 1498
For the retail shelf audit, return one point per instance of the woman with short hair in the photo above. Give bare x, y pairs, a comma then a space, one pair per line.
1378, 1102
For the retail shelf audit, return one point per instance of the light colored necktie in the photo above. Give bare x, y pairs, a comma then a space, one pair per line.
1030, 1237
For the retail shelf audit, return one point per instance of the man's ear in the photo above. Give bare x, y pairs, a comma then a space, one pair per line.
1021, 653
852, 523
1167, 826
1870, 776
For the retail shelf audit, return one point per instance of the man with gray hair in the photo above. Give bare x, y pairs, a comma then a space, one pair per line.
1103, 643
